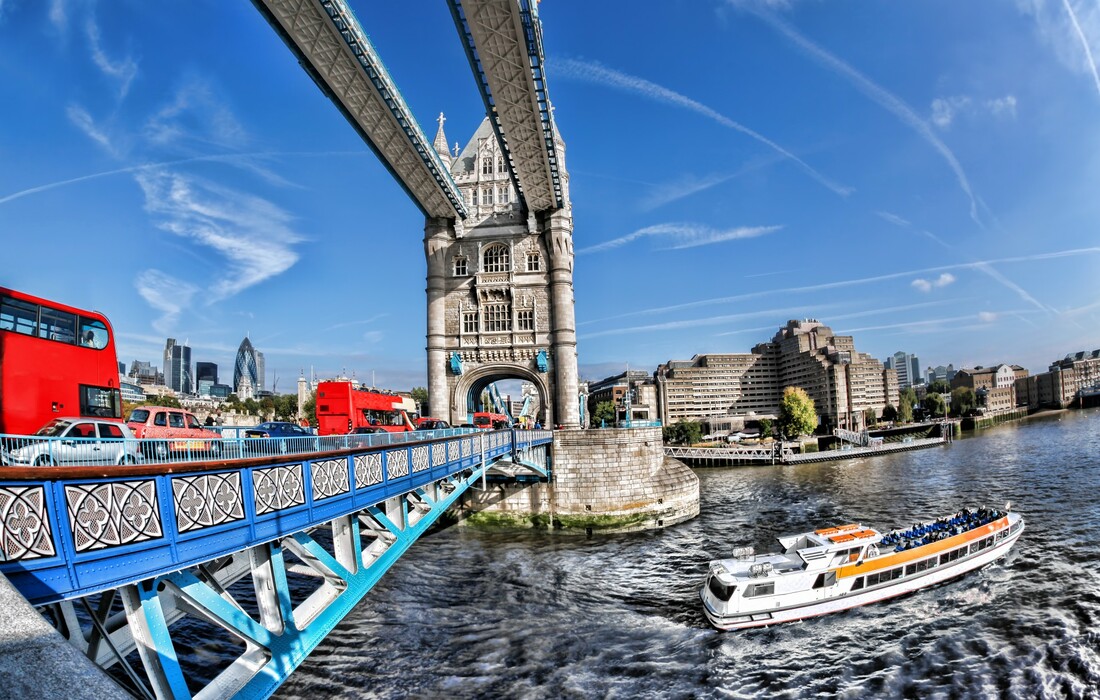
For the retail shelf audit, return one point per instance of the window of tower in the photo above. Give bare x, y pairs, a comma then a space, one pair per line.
469, 322
534, 263
486, 166
487, 197
496, 259
498, 317
500, 164
505, 194
525, 320
461, 267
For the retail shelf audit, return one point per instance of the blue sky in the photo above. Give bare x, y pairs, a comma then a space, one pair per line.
924, 176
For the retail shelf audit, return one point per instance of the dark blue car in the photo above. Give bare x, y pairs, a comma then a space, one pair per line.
292, 438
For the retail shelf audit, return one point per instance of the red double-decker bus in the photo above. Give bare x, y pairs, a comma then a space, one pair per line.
342, 407
483, 420
55, 360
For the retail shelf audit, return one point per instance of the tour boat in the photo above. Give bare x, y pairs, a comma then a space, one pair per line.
842, 567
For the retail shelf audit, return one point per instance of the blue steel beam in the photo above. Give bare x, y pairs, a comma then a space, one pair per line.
516, 44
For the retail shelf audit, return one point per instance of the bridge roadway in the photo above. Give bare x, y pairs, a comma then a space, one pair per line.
119, 557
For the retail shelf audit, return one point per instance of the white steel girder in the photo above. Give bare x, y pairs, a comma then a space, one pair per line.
334, 50
512, 65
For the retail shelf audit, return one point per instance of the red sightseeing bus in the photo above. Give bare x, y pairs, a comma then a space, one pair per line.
342, 407
491, 421
55, 360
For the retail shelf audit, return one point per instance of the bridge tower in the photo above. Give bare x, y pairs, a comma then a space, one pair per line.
499, 288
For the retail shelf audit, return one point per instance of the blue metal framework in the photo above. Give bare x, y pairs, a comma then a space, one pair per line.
157, 545
345, 23
532, 31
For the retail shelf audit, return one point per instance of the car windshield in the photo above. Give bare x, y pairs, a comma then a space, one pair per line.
54, 428
138, 415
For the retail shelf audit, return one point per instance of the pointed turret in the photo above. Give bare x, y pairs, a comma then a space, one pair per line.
440, 143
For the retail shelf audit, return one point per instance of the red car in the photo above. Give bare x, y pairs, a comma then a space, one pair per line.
181, 430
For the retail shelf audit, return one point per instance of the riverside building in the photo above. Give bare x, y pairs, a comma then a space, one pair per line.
842, 382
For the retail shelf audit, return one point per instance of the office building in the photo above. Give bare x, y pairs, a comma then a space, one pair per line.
179, 375
246, 380
907, 367
842, 382
206, 376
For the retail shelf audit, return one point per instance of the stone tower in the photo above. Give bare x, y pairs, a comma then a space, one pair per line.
500, 290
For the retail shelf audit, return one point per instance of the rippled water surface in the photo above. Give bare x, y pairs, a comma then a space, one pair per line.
469, 614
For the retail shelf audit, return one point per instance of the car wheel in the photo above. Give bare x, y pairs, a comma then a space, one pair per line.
44, 461
160, 450
127, 459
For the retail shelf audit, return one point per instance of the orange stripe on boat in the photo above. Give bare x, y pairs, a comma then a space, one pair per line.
833, 530
892, 560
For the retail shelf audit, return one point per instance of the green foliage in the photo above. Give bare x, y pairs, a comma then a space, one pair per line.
309, 409
963, 400
605, 411
286, 407
766, 430
907, 399
233, 401
935, 406
420, 396
939, 387
890, 413
686, 432
164, 400
251, 407
869, 417
267, 406
796, 413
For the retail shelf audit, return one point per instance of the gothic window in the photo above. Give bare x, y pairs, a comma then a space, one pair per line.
469, 322
498, 317
525, 320
496, 259
487, 196
461, 267
500, 164
486, 166
534, 264
505, 194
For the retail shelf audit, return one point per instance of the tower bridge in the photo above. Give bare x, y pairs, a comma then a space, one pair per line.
272, 552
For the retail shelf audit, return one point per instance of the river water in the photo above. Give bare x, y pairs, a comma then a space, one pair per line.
468, 614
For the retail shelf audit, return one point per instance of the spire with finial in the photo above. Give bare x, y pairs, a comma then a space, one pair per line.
440, 142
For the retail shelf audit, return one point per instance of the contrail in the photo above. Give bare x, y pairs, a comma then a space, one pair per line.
884, 98
154, 166
1084, 42
602, 75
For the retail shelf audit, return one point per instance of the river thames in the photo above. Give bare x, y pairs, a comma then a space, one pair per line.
470, 614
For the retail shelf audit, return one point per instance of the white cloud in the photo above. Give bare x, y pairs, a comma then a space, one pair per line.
166, 294
122, 71
987, 316
83, 121
253, 234
923, 285
683, 236
197, 115
602, 75
1071, 29
59, 15
946, 109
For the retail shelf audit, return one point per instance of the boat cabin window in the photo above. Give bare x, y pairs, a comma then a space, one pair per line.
858, 584
759, 589
951, 556
720, 590
883, 577
920, 566
825, 580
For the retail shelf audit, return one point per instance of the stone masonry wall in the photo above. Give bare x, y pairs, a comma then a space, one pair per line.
611, 480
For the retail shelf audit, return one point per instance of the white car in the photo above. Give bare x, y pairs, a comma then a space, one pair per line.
73, 441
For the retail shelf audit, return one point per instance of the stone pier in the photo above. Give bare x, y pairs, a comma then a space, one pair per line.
611, 480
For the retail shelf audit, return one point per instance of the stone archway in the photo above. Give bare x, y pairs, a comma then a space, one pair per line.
472, 383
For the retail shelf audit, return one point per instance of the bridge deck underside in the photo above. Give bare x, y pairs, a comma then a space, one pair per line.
507, 55
332, 47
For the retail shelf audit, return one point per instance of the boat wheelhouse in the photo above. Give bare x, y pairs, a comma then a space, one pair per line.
842, 567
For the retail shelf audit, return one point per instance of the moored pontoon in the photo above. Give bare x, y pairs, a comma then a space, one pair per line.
842, 567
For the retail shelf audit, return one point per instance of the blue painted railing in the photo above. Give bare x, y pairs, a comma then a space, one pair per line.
71, 531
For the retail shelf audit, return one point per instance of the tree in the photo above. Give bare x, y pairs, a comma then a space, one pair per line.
286, 407
605, 411
251, 407
686, 432
939, 387
869, 417
309, 409
907, 399
963, 400
935, 406
267, 406
890, 413
796, 413
420, 396
766, 428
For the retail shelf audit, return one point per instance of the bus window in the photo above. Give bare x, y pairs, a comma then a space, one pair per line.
19, 316
93, 333
57, 325
100, 402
